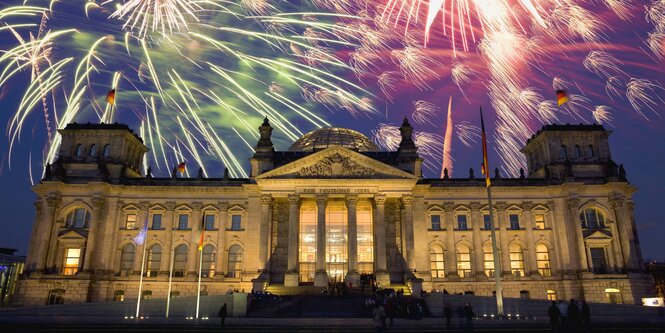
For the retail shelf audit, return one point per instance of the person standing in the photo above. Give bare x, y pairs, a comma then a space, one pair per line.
586, 316
573, 316
468, 313
447, 313
222, 314
554, 314
563, 312
379, 316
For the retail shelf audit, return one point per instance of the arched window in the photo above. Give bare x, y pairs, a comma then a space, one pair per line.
79, 151
463, 261
563, 154
592, 218
543, 260
235, 261
590, 151
56, 296
107, 151
578, 152
436, 261
78, 218
516, 260
93, 150
208, 261
180, 260
119, 296
127, 259
154, 260
488, 260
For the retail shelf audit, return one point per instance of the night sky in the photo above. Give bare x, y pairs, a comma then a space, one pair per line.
636, 142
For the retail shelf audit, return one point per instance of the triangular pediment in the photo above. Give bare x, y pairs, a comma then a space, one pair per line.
597, 235
337, 163
73, 235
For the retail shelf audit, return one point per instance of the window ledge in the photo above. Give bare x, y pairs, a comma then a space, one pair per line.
430, 229
229, 229
188, 229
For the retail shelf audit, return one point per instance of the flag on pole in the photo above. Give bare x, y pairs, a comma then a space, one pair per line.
140, 238
561, 97
181, 167
203, 229
110, 97
485, 166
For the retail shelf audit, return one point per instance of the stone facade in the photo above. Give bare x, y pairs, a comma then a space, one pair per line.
565, 228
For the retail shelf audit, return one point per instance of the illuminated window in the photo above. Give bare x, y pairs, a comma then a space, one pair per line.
436, 261
365, 237
119, 296
127, 259
435, 222
543, 260
307, 243
592, 218
337, 263
551, 295
540, 221
78, 218
130, 222
183, 221
210, 221
488, 260
154, 260
463, 261
461, 222
208, 261
156, 221
180, 260
614, 296
236, 222
235, 261
516, 260
72, 261
514, 221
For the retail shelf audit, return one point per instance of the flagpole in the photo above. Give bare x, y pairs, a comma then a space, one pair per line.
495, 254
198, 294
168, 295
138, 302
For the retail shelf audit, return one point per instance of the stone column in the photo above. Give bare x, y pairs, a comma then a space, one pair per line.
407, 201
264, 231
532, 265
616, 247
624, 224
167, 250
380, 263
352, 233
93, 247
195, 225
30, 261
476, 222
451, 254
504, 252
321, 276
45, 233
291, 278
573, 207
559, 232
220, 269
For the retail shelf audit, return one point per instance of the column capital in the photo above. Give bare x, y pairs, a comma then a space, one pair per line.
196, 205
380, 199
550, 205
38, 206
54, 201
170, 205
266, 199
98, 202
631, 205
448, 206
294, 199
321, 199
501, 205
475, 205
573, 203
144, 205
527, 205
407, 199
351, 199
223, 206
120, 205
616, 203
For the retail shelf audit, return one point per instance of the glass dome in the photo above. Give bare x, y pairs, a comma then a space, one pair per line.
333, 136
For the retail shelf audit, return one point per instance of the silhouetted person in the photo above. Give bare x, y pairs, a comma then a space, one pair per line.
574, 316
468, 314
585, 313
554, 314
447, 313
378, 315
563, 312
222, 314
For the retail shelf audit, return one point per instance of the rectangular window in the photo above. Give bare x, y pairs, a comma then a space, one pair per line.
130, 223
236, 221
436, 222
540, 221
210, 222
183, 220
598, 260
464, 264
514, 221
486, 222
461, 222
488, 262
551, 295
156, 221
72, 261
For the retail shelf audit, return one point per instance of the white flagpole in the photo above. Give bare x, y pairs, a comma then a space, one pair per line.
138, 302
198, 294
168, 295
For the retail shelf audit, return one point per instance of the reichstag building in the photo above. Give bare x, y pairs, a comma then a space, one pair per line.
331, 207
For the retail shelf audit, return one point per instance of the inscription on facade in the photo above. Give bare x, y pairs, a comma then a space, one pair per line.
337, 190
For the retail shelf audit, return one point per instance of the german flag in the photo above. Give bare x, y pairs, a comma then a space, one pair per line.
203, 229
110, 97
181, 167
561, 97
485, 166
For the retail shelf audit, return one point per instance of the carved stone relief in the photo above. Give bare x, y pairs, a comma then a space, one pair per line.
336, 166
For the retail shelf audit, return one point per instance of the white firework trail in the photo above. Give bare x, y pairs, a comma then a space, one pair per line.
602, 64
602, 114
467, 134
424, 112
641, 93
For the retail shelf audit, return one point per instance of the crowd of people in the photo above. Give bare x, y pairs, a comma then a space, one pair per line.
569, 317
387, 304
